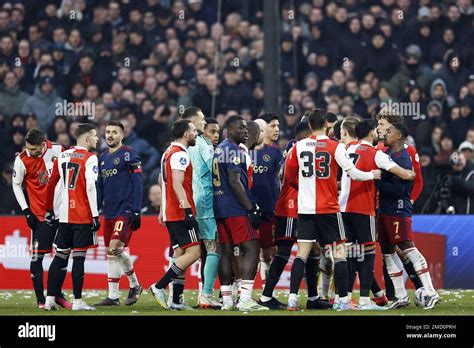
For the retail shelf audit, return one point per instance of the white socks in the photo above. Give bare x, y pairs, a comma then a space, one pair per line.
114, 273
264, 269
421, 267
126, 264
396, 274
246, 289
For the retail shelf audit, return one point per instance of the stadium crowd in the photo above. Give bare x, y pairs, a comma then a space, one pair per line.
144, 62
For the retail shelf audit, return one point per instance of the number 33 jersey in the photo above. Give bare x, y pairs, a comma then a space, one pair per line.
73, 167
312, 167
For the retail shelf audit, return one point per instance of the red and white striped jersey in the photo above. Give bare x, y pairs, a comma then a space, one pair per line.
359, 196
248, 162
35, 173
73, 168
312, 167
176, 157
287, 203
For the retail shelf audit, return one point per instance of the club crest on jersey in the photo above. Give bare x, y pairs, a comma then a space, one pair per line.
102, 163
116, 160
53, 158
266, 158
183, 161
95, 169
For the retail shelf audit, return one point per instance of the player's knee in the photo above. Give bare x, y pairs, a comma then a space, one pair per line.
210, 246
115, 251
405, 245
194, 252
369, 249
339, 253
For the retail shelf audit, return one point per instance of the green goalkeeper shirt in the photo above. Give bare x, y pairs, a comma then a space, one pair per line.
201, 156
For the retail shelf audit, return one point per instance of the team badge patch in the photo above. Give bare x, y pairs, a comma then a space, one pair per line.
14, 173
236, 160
183, 161
53, 159
116, 160
95, 169
266, 158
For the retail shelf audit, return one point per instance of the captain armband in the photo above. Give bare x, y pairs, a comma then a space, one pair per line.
135, 167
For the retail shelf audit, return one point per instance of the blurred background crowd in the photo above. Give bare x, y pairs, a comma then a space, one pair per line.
143, 62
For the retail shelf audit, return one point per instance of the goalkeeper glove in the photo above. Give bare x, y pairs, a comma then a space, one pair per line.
31, 219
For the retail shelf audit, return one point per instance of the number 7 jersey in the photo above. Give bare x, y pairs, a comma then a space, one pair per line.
73, 167
312, 168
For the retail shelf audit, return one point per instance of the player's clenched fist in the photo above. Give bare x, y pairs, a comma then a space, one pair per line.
189, 219
95, 224
377, 174
254, 216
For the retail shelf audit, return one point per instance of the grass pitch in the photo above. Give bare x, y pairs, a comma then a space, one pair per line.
22, 302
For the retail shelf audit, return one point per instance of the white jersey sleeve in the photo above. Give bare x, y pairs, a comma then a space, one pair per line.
342, 158
179, 161
92, 168
19, 171
384, 161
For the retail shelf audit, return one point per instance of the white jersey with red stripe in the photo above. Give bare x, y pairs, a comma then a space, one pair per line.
74, 167
313, 164
359, 196
35, 173
249, 164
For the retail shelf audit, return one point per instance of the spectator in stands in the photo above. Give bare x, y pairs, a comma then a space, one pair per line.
149, 155
8, 204
43, 102
463, 184
154, 200
12, 97
412, 69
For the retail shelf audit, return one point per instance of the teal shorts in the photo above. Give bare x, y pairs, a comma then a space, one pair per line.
207, 229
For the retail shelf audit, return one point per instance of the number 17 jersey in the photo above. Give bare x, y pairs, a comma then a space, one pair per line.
74, 167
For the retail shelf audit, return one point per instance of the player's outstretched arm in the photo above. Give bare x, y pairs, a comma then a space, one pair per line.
343, 160
383, 161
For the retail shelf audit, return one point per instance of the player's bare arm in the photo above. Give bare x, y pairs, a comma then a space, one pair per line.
178, 180
238, 189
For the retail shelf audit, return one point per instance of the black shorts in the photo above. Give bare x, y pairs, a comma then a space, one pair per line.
325, 229
42, 237
285, 228
181, 236
77, 237
359, 228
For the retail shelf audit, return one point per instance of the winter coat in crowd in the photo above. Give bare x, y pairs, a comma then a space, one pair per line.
43, 106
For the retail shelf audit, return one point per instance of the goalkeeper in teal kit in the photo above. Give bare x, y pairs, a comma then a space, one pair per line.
201, 158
